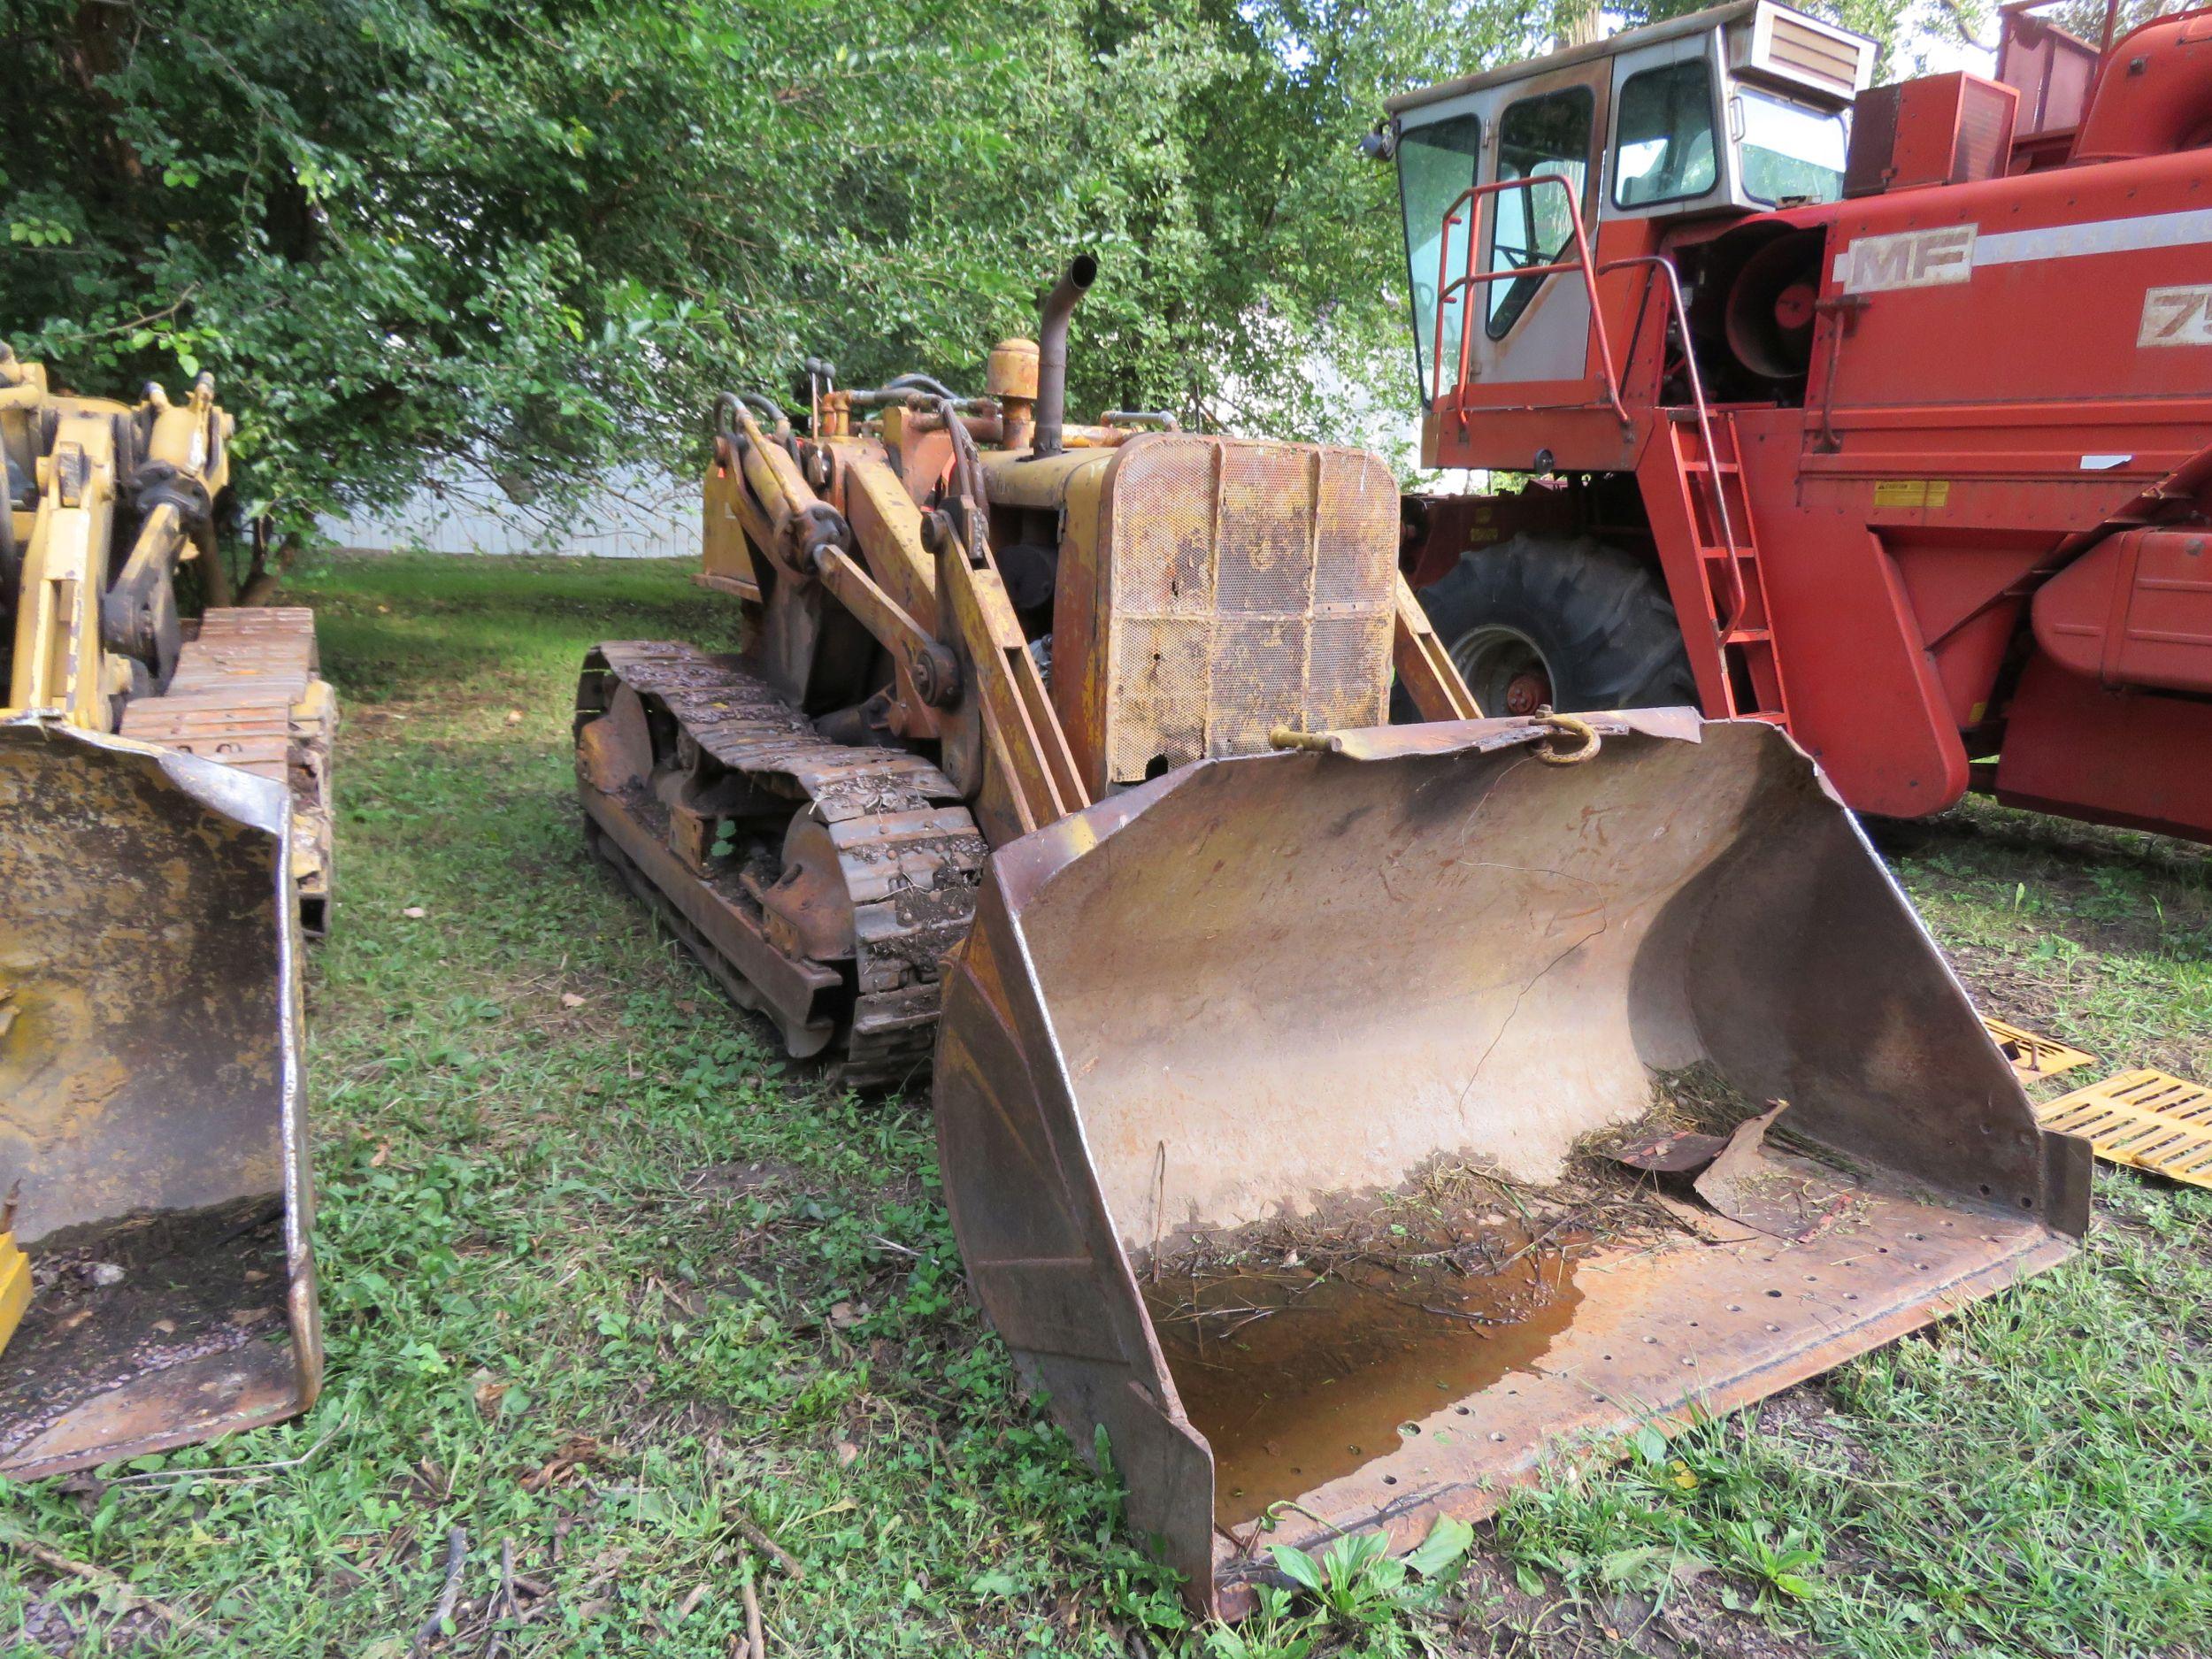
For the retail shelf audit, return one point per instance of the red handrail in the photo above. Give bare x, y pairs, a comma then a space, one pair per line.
1446, 287
1678, 316
1654, 262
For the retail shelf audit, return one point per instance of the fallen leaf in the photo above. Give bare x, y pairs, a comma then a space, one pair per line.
575, 1452
414, 912
383, 1151
844, 1316
1678, 1152
847, 1454
489, 1393
250, 1316
569, 999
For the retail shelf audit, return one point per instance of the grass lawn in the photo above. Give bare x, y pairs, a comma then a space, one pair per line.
605, 1282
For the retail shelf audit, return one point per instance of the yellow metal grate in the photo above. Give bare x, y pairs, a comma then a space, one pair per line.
2144, 1118
2033, 1057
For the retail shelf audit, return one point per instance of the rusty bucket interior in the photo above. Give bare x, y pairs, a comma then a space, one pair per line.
150, 1130
1322, 1124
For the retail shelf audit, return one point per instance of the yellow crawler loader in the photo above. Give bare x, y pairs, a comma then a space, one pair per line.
1056, 757
164, 843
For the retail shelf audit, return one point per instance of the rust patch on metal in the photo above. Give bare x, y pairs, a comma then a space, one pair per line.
1672, 1152
1248, 585
1298, 1373
1769, 1188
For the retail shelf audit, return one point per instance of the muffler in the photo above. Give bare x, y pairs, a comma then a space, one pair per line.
151, 1128
1220, 1048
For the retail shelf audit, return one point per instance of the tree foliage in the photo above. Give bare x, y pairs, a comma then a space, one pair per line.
409, 234
533, 238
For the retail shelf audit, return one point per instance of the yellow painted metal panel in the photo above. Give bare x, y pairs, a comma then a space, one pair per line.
2145, 1119
15, 1287
2033, 1056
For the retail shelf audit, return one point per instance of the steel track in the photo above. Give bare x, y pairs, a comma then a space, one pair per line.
907, 852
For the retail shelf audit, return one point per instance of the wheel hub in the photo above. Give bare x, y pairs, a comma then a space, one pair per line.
1504, 669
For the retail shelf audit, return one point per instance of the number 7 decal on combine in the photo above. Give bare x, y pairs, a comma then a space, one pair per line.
2176, 317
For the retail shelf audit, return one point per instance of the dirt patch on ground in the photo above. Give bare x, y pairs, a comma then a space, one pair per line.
2012, 990
1500, 1620
1806, 1415
2002, 986
2110, 892
738, 1179
64, 1618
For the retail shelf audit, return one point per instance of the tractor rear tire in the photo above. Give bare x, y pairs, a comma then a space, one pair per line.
1565, 621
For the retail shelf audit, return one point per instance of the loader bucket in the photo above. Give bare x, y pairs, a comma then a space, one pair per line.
149, 1123
1269, 1013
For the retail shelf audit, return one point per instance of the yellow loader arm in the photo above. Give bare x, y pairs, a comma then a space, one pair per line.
87, 638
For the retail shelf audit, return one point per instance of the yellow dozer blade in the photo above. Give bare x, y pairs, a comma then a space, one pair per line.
1297, 1117
150, 1125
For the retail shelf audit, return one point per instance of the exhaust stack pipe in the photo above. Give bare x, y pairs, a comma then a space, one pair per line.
1052, 353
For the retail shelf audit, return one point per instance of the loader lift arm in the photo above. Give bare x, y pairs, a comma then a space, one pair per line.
977, 645
1424, 669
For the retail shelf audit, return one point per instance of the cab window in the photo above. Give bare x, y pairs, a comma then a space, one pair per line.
1790, 153
1436, 163
1663, 144
1545, 134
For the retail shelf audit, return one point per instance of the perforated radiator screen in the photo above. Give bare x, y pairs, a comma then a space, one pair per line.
1248, 585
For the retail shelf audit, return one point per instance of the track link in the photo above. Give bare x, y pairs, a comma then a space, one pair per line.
247, 693
672, 743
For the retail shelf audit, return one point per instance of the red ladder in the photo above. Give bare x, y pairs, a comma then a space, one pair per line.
1734, 587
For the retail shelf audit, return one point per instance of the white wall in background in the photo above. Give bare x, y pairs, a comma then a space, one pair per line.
636, 514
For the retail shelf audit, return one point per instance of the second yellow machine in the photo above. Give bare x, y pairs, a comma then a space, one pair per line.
165, 843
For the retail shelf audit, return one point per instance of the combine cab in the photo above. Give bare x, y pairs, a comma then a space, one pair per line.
1300, 1078
1879, 414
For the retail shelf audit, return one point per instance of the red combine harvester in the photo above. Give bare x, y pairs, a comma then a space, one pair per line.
1881, 414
